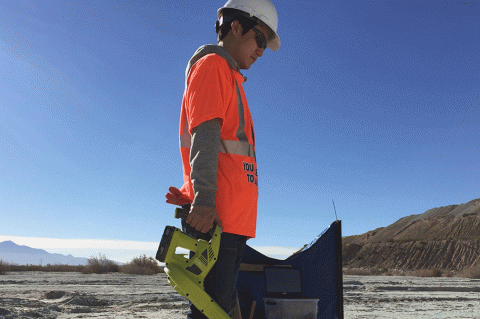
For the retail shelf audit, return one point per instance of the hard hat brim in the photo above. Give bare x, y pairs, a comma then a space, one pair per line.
274, 44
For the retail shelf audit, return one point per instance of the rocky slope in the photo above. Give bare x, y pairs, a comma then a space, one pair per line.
445, 238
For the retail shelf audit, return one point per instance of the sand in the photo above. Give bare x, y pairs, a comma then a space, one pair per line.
75, 295
411, 297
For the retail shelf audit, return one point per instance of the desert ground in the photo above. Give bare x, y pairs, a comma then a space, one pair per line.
117, 295
411, 297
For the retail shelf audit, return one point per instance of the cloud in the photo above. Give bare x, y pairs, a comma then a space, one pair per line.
275, 251
46, 243
119, 250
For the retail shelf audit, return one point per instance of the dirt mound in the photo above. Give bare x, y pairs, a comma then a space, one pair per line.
87, 300
4, 312
55, 294
446, 238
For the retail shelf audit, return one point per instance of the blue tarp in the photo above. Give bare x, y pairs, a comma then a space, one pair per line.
320, 264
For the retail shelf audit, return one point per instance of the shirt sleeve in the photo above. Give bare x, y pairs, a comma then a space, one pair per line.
204, 162
209, 90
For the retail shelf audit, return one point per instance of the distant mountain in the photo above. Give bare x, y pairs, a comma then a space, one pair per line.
445, 238
24, 255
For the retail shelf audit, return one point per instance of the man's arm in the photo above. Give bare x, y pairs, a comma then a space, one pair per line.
204, 164
204, 160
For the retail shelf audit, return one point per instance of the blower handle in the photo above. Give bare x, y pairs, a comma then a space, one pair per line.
182, 213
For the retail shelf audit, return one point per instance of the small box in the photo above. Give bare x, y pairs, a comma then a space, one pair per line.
290, 308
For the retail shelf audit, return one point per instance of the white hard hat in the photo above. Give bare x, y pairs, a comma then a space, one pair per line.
263, 10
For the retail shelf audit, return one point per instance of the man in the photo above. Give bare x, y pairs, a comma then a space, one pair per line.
217, 141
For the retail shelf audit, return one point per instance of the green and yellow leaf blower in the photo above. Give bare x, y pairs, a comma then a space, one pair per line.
186, 275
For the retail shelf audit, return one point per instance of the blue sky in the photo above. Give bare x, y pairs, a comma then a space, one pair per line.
374, 104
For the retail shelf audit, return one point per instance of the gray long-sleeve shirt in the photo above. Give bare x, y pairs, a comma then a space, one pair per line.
204, 162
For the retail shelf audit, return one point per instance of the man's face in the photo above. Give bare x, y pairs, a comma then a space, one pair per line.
246, 48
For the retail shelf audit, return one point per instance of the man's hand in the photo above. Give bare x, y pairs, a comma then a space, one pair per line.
202, 218
176, 197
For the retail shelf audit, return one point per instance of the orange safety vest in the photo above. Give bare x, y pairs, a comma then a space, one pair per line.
214, 90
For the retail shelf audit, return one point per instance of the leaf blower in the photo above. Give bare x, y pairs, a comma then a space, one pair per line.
186, 275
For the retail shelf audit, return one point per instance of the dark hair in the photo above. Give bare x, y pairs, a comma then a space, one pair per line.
230, 15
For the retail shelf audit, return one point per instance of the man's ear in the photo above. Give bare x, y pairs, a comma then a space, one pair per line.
237, 28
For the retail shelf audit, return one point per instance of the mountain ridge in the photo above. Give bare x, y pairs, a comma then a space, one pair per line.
23, 255
444, 237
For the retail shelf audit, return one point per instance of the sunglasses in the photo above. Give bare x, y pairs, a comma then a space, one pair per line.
260, 38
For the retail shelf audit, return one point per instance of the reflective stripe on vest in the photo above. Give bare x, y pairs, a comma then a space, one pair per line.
241, 147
